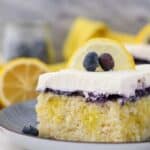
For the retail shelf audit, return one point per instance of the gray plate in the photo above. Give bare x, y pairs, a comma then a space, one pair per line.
14, 118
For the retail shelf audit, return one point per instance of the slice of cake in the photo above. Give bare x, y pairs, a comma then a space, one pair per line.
102, 96
93, 106
141, 53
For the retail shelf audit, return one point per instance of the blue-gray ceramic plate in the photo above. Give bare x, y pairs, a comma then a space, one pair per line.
14, 118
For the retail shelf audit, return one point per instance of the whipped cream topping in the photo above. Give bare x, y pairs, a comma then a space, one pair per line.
141, 51
114, 82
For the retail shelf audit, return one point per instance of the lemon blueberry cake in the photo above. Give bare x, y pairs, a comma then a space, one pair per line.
100, 100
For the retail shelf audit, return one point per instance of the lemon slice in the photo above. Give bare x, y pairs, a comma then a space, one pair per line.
144, 35
57, 67
81, 31
1, 69
123, 60
1, 105
19, 79
122, 37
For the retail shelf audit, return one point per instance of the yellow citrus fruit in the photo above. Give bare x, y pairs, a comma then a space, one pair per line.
57, 67
81, 31
1, 105
144, 35
121, 37
1, 68
18, 80
123, 60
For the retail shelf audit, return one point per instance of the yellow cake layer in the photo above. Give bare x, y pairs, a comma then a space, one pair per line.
71, 118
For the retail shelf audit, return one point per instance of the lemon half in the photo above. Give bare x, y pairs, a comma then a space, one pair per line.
19, 79
58, 66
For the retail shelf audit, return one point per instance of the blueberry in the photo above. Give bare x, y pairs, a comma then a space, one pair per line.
90, 62
21, 50
40, 50
30, 130
106, 61
140, 93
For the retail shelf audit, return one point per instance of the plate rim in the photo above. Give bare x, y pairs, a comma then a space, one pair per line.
69, 141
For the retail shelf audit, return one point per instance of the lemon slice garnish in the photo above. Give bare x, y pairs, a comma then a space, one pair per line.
123, 60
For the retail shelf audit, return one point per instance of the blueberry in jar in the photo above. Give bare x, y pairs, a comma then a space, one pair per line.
90, 62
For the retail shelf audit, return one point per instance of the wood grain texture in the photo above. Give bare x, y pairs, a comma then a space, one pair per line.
123, 15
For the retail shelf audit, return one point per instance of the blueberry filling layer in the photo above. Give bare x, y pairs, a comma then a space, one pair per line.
96, 97
141, 61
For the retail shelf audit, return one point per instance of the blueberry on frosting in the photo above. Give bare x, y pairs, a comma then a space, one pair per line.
90, 62
106, 61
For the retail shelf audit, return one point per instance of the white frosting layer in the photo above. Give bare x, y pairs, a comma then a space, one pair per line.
141, 51
121, 82
143, 67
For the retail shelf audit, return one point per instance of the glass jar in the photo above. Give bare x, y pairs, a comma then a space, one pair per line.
27, 40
